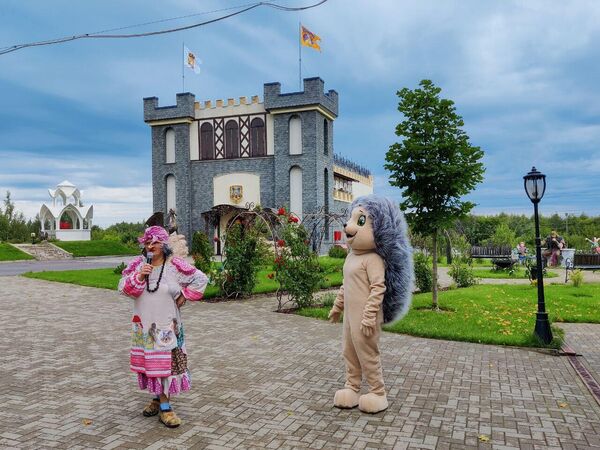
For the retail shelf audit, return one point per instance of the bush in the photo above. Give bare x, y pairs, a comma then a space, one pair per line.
328, 299
462, 275
202, 252
120, 268
423, 277
338, 252
244, 252
297, 267
577, 278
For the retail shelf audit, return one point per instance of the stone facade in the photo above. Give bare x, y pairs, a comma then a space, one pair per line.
194, 177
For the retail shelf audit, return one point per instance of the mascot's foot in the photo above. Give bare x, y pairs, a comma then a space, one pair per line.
346, 398
372, 403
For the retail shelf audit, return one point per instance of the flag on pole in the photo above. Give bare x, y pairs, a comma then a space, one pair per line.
190, 60
309, 39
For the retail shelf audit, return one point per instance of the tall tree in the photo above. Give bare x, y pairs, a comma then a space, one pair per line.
434, 164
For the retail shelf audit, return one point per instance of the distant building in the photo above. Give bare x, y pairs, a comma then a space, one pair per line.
210, 160
66, 219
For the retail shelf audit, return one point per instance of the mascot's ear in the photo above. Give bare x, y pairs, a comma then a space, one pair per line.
158, 218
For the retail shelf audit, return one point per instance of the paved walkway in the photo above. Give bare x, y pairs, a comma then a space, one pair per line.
266, 380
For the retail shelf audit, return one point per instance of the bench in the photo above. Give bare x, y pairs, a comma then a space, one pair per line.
501, 255
582, 261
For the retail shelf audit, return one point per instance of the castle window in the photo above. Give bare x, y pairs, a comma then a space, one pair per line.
257, 137
232, 140
325, 137
295, 127
207, 147
170, 146
296, 191
171, 195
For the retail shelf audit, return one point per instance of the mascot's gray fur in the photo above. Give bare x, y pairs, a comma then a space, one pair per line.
391, 239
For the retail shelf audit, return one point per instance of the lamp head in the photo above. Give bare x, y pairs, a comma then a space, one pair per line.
535, 185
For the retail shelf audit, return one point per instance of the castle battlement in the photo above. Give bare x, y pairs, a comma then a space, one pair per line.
230, 102
313, 95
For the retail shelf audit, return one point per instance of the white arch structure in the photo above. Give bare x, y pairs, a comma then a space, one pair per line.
66, 203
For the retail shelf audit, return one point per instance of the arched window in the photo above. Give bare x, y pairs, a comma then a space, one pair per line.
296, 191
325, 137
207, 143
171, 194
295, 136
170, 146
232, 140
257, 137
326, 201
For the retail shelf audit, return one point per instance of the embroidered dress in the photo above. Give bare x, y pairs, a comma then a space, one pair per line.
158, 353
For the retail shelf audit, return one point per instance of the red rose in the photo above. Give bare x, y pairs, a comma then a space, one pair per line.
293, 219
281, 243
281, 212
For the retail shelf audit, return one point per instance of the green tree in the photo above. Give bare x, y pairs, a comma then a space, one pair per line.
434, 164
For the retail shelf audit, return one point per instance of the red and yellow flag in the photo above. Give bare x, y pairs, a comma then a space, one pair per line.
309, 39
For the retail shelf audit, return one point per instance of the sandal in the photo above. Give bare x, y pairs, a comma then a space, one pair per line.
169, 419
152, 408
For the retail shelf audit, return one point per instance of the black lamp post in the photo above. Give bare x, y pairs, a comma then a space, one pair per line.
535, 186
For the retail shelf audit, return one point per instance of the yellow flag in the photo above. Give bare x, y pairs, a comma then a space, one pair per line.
309, 39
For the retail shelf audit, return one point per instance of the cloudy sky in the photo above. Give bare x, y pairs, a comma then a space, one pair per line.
523, 74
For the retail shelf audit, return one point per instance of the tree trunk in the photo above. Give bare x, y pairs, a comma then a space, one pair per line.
434, 274
448, 247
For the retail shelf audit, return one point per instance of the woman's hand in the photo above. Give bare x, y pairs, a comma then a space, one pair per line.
180, 301
146, 270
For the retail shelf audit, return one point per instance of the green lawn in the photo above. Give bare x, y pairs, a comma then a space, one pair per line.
10, 253
96, 248
493, 314
107, 279
518, 273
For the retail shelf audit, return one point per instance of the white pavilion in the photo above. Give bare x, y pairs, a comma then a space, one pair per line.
66, 219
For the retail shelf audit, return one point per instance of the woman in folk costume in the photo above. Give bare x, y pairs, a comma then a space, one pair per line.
160, 283
377, 287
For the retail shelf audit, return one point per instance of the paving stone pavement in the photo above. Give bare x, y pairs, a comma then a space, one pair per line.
266, 380
584, 338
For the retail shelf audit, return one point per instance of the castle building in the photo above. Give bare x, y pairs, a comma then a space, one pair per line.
211, 160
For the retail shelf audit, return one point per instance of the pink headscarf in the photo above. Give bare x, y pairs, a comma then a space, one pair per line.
154, 234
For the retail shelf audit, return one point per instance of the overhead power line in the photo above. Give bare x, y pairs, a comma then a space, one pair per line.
103, 35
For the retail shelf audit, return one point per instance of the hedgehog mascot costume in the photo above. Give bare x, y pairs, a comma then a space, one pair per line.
378, 279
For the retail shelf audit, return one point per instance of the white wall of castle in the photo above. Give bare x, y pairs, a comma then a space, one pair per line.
359, 189
250, 184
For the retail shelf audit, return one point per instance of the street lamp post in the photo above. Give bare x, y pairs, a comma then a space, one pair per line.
535, 187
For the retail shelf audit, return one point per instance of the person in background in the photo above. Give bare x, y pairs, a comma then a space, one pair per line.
522, 251
595, 242
554, 244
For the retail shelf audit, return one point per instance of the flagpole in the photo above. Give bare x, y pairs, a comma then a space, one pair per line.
300, 56
183, 67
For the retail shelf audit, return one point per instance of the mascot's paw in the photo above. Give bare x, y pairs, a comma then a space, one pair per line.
372, 403
334, 316
367, 330
346, 398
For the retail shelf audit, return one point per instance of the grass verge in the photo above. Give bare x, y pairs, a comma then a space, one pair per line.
96, 248
10, 253
493, 314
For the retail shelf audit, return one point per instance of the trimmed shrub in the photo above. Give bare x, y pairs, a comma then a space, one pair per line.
202, 252
462, 275
338, 252
423, 277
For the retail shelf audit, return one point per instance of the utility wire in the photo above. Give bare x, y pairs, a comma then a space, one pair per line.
101, 35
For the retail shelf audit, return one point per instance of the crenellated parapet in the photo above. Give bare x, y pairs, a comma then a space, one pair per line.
229, 103
313, 95
184, 109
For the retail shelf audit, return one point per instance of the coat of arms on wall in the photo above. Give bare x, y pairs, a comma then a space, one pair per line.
236, 192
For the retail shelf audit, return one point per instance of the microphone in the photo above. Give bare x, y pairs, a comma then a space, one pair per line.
149, 257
